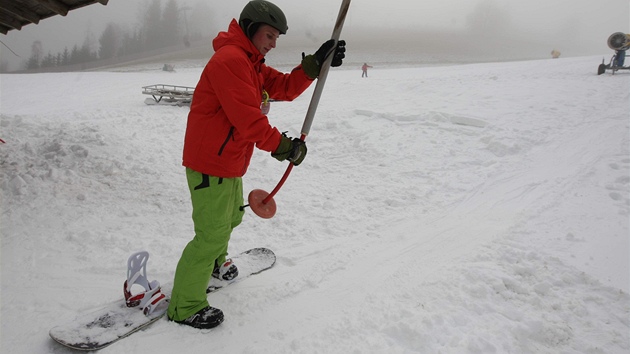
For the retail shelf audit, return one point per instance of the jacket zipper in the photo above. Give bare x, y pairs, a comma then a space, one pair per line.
227, 139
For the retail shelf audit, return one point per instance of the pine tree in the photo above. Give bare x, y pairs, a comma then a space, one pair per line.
37, 52
65, 57
48, 61
170, 24
152, 26
109, 41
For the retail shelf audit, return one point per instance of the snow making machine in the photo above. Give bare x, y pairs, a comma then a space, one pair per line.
619, 42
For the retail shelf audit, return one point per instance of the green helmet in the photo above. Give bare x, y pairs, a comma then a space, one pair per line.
262, 11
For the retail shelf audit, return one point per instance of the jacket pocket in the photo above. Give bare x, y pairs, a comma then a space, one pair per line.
227, 139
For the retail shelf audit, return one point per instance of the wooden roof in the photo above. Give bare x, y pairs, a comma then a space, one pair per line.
14, 14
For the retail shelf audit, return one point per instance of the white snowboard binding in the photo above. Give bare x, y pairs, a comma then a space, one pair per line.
151, 301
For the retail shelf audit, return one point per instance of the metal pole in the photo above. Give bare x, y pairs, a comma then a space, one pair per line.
319, 87
323, 73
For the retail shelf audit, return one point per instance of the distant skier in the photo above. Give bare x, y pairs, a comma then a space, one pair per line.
226, 121
364, 68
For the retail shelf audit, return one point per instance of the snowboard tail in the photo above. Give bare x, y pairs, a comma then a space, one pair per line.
98, 329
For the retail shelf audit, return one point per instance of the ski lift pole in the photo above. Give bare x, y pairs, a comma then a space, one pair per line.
261, 202
323, 73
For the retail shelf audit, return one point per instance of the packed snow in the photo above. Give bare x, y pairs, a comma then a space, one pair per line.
479, 208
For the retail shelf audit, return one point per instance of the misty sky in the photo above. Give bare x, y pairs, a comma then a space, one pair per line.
591, 21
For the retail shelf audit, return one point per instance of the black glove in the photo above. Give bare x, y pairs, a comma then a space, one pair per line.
293, 150
312, 64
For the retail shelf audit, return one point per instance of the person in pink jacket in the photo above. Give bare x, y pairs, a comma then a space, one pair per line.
225, 123
364, 68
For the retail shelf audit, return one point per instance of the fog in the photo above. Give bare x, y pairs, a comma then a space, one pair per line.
531, 28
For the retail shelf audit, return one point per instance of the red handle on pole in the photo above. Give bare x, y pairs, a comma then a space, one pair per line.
282, 180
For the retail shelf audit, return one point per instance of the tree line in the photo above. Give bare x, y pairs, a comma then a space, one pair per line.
160, 26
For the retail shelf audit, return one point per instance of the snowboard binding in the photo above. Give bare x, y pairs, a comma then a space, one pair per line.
151, 299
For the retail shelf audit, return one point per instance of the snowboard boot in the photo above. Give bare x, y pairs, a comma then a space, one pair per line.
227, 271
207, 317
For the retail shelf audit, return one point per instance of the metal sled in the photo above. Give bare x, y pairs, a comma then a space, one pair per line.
168, 95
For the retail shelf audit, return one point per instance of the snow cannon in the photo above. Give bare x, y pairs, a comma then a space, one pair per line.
619, 42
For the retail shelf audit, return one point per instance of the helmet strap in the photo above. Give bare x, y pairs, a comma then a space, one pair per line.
252, 28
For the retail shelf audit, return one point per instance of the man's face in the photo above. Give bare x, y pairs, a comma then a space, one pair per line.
265, 38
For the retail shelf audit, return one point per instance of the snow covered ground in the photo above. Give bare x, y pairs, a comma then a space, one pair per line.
480, 208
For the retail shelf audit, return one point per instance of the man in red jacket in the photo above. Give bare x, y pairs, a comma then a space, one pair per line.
225, 123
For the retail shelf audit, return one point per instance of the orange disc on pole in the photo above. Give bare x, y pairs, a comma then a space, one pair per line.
264, 210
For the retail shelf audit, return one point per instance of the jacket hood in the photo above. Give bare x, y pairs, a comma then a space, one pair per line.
235, 36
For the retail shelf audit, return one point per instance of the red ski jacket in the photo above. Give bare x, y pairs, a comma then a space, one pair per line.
225, 120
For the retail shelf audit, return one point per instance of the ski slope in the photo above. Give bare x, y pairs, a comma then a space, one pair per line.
479, 208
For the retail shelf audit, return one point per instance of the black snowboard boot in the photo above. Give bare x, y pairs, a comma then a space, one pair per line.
207, 317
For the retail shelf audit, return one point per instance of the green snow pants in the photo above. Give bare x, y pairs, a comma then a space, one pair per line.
216, 202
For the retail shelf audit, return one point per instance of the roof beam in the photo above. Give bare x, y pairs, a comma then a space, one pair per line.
25, 14
17, 13
55, 6
9, 21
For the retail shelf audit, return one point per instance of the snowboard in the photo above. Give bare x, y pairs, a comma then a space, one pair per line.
106, 325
